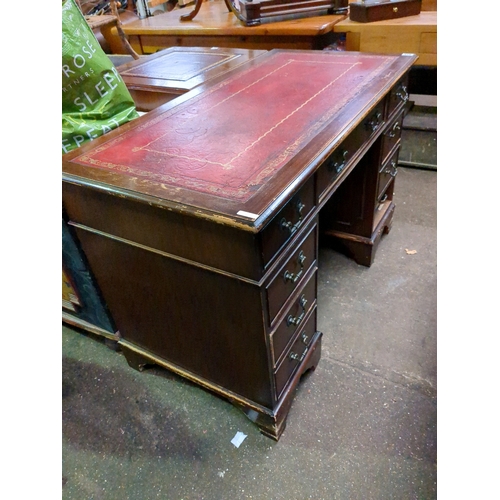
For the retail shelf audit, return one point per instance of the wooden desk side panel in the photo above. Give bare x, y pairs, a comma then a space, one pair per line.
214, 245
201, 321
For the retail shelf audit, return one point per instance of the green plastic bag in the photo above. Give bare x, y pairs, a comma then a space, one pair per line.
95, 100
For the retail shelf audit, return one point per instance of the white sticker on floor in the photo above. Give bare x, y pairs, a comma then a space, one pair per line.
238, 439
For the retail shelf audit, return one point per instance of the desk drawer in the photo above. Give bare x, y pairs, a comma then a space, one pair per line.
288, 221
350, 149
296, 354
335, 165
398, 95
387, 173
291, 274
294, 318
391, 136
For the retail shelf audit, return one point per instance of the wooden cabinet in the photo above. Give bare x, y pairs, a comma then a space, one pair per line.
200, 219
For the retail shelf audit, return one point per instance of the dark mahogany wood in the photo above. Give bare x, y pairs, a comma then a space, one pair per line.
355, 221
253, 12
379, 10
200, 219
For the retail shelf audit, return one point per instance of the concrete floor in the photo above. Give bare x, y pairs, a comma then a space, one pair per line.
362, 426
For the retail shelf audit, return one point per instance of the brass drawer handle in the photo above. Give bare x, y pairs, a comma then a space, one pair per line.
291, 320
392, 169
403, 93
394, 131
297, 357
338, 166
295, 277
284, 224
374, 123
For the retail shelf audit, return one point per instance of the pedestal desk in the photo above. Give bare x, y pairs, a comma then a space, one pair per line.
200, 218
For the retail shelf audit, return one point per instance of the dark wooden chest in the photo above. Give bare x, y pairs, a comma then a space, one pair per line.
253, 12
379, 10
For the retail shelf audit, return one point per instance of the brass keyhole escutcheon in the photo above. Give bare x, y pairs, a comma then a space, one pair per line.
394, 9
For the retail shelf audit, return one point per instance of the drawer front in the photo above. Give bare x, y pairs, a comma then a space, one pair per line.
288, 221
351, 148
294, 357
397, 96
292, 274
294, 318
337, 162
369, 126
391, 136
387, 173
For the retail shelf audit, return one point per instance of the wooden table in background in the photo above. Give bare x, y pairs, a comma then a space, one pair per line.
215, 26
413, 34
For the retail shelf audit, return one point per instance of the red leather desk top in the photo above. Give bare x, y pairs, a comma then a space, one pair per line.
222, 148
